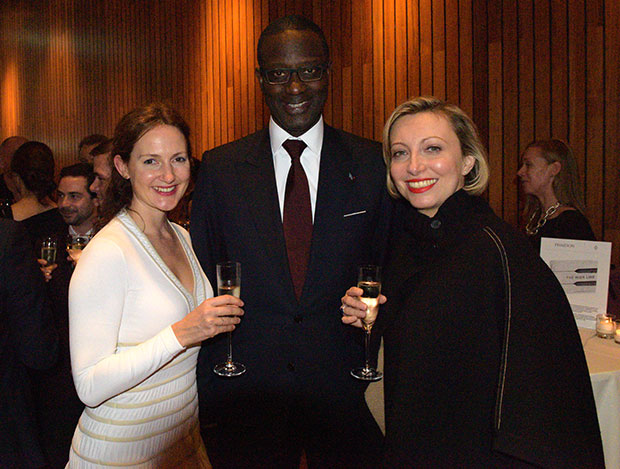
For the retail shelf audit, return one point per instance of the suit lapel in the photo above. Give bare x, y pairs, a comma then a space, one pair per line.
335, 191
257, 183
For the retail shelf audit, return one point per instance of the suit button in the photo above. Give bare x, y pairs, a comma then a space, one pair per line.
290, 367
435, 224
299, 318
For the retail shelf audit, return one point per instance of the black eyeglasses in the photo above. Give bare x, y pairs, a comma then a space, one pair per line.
281, 76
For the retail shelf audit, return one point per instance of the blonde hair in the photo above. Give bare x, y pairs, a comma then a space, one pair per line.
477, 179
566, 184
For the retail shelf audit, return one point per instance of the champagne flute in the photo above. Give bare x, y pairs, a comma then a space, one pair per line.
369, 280
75, 244
48, 250
229, 283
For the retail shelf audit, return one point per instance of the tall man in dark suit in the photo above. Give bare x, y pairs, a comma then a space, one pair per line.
299, 226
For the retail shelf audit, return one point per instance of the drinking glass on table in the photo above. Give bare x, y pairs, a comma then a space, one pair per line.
369, 280
75, 244
229, 283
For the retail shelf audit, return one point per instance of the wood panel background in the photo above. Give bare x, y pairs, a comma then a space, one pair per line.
523, 69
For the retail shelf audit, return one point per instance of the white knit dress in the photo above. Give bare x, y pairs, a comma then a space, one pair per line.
137, 381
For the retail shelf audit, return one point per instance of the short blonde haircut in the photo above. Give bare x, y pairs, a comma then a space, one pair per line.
477, 179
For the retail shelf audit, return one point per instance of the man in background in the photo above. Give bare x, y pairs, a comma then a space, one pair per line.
77, 206
58, 405
102, 166
300, 205
76, 203
87, 144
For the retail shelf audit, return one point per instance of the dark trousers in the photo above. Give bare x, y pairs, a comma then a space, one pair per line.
273, 435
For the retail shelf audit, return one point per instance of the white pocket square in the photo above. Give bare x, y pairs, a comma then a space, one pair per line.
352, 214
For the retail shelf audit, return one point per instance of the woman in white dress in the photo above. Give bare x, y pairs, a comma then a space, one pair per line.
139, 307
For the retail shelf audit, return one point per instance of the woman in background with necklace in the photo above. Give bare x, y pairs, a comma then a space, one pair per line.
554, 207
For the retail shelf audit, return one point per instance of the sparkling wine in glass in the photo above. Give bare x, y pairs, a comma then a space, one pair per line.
369, 280
229, 283
75, 244
48, 250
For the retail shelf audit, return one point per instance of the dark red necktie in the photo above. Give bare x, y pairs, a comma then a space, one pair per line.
297, 219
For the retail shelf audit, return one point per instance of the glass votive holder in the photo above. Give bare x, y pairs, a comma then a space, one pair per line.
605, 326
617, 335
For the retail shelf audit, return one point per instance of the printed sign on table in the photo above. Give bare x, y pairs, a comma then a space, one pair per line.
582, 267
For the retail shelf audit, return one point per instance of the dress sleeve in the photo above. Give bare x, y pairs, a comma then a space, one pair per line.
96, 299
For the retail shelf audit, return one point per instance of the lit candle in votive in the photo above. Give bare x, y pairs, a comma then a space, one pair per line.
605, 326
617, 336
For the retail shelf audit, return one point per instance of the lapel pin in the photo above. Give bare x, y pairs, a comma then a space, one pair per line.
351, 177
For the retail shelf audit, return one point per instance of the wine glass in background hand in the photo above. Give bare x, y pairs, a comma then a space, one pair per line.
48, 257
48, 250
75, 244
369, 280
229, 283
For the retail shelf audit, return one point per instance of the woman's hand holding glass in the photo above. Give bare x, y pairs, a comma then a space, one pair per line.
354, 309
210, 318
369, 289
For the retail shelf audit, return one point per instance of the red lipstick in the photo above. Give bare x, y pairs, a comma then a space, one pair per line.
419, 190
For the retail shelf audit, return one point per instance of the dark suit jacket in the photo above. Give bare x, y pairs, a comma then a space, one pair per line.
58, 405
290, 347
27, 341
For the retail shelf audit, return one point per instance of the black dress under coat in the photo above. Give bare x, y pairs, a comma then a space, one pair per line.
466, 384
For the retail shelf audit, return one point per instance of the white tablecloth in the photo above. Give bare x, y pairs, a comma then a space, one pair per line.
603, 357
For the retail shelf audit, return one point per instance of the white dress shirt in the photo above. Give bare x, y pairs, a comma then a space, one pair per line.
73, 232
310, 158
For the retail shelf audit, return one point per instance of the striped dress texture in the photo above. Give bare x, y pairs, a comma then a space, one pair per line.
137, 381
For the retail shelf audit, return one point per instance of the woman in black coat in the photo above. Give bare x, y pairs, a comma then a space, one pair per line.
483, 362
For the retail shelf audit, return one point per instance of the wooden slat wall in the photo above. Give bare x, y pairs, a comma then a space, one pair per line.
523, 69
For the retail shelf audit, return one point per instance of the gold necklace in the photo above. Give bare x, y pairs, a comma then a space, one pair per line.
541, 222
